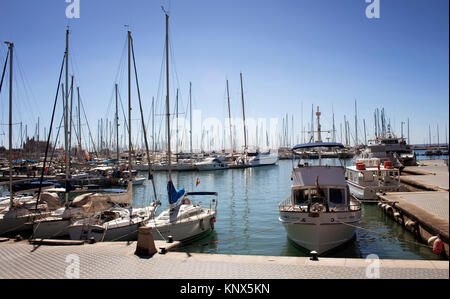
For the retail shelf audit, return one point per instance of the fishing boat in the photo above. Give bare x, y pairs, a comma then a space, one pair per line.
388, 147
368, 177
319, 215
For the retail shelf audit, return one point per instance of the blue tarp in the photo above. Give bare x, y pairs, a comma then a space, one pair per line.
174, 195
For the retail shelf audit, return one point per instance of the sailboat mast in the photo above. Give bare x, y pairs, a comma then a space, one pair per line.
11, 196
243, 113
356, 125
130, 177
66, 119
117, 126
176, 139
229, 119
79, 120
190, 120
167, 98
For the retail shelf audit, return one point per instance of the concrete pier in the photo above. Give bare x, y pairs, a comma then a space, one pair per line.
427, 212
117, 260
428, 175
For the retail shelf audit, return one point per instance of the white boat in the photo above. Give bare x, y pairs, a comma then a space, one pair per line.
389, 147
115, 224
211, 163
368, 177
320, 214
85, 205
263, 158
183, 220
186, 220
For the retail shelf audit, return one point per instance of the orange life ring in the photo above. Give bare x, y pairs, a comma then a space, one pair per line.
186, 201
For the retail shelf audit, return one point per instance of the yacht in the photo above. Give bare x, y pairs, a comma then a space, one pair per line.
319, 215
262, 158
390, 148
368, 177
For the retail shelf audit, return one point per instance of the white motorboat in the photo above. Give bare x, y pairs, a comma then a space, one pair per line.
368, 177
186, 220
263, 158
320, 214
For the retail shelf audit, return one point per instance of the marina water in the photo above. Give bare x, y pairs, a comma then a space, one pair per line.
247, 217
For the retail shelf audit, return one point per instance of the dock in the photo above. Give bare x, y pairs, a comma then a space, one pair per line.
425, 211
117, 260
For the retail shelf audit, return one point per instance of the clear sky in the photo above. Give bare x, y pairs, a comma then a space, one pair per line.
292, 53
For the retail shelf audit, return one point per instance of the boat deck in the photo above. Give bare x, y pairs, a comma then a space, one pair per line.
117, 260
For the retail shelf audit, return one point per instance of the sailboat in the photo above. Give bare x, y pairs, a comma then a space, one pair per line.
118, 223
21, 210
319, 215
183, 220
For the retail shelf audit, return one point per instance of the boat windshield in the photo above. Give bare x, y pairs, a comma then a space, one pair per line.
319, 195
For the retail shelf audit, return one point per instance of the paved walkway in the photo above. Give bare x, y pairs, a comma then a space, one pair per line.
432, 174
116, 260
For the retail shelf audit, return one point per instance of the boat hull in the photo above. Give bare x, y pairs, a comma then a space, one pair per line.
322, 233
370, 193
183, 230
101, 234
48, 229
9, 226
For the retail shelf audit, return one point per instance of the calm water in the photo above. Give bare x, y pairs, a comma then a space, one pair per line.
247, 216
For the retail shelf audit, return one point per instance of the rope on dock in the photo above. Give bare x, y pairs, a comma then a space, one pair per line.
386, 235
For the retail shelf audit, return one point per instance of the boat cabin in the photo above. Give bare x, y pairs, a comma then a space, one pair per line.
370, 172
319, 185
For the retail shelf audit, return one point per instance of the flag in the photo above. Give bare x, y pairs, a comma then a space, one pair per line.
198, 182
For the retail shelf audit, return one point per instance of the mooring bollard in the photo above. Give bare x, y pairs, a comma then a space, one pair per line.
146, 243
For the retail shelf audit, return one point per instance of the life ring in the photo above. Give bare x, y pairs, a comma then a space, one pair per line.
186, 201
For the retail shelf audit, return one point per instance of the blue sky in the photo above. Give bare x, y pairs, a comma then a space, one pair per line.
321, 52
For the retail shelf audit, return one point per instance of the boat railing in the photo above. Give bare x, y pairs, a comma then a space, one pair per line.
282, 205
355, 204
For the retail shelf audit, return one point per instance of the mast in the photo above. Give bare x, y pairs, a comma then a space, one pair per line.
229, 119
66, 119
153, 124
168, 97
130, 177
11, 195
79, 119
365, 136
150, 173
356, 125
190, 120
176, 139
319, 138
243, 113
117, 127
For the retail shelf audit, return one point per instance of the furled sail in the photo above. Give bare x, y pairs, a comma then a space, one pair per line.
174, 195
